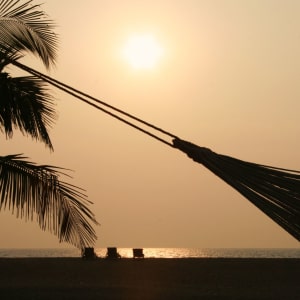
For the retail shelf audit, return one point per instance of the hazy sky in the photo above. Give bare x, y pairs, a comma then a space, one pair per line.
228, 79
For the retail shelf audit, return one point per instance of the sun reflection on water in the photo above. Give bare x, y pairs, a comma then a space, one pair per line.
158, 252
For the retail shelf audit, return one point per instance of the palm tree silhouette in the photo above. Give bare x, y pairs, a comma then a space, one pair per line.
28, 190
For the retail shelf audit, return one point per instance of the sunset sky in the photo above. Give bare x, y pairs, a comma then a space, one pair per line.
223, 74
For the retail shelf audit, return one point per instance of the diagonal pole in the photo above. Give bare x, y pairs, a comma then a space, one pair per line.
275, 191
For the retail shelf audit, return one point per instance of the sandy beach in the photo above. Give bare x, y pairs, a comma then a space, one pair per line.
149, 278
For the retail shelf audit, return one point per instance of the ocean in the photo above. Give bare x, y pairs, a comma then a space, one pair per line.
160, 253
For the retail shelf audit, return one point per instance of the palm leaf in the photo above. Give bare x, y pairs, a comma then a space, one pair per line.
26, 105
24, 27
34, 192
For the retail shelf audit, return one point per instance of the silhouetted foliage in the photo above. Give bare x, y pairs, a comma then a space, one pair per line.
35, 191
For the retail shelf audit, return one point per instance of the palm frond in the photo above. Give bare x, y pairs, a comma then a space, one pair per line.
26, 105
33, 191
8, 55
25, 27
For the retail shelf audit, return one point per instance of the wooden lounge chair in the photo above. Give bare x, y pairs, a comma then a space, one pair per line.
112, 253
138, 253
88, 253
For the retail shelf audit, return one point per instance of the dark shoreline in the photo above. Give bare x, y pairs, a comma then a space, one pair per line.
150, 278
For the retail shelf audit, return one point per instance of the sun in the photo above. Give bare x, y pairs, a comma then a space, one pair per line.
142, 51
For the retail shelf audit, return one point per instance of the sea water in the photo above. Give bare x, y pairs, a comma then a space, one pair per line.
161, 252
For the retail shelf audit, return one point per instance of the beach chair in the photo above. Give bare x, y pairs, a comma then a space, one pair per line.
88, 253
112, 253
138, 253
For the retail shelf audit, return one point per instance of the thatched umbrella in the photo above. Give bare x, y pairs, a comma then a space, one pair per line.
275, 191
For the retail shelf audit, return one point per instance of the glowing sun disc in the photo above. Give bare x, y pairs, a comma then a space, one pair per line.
142, 51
